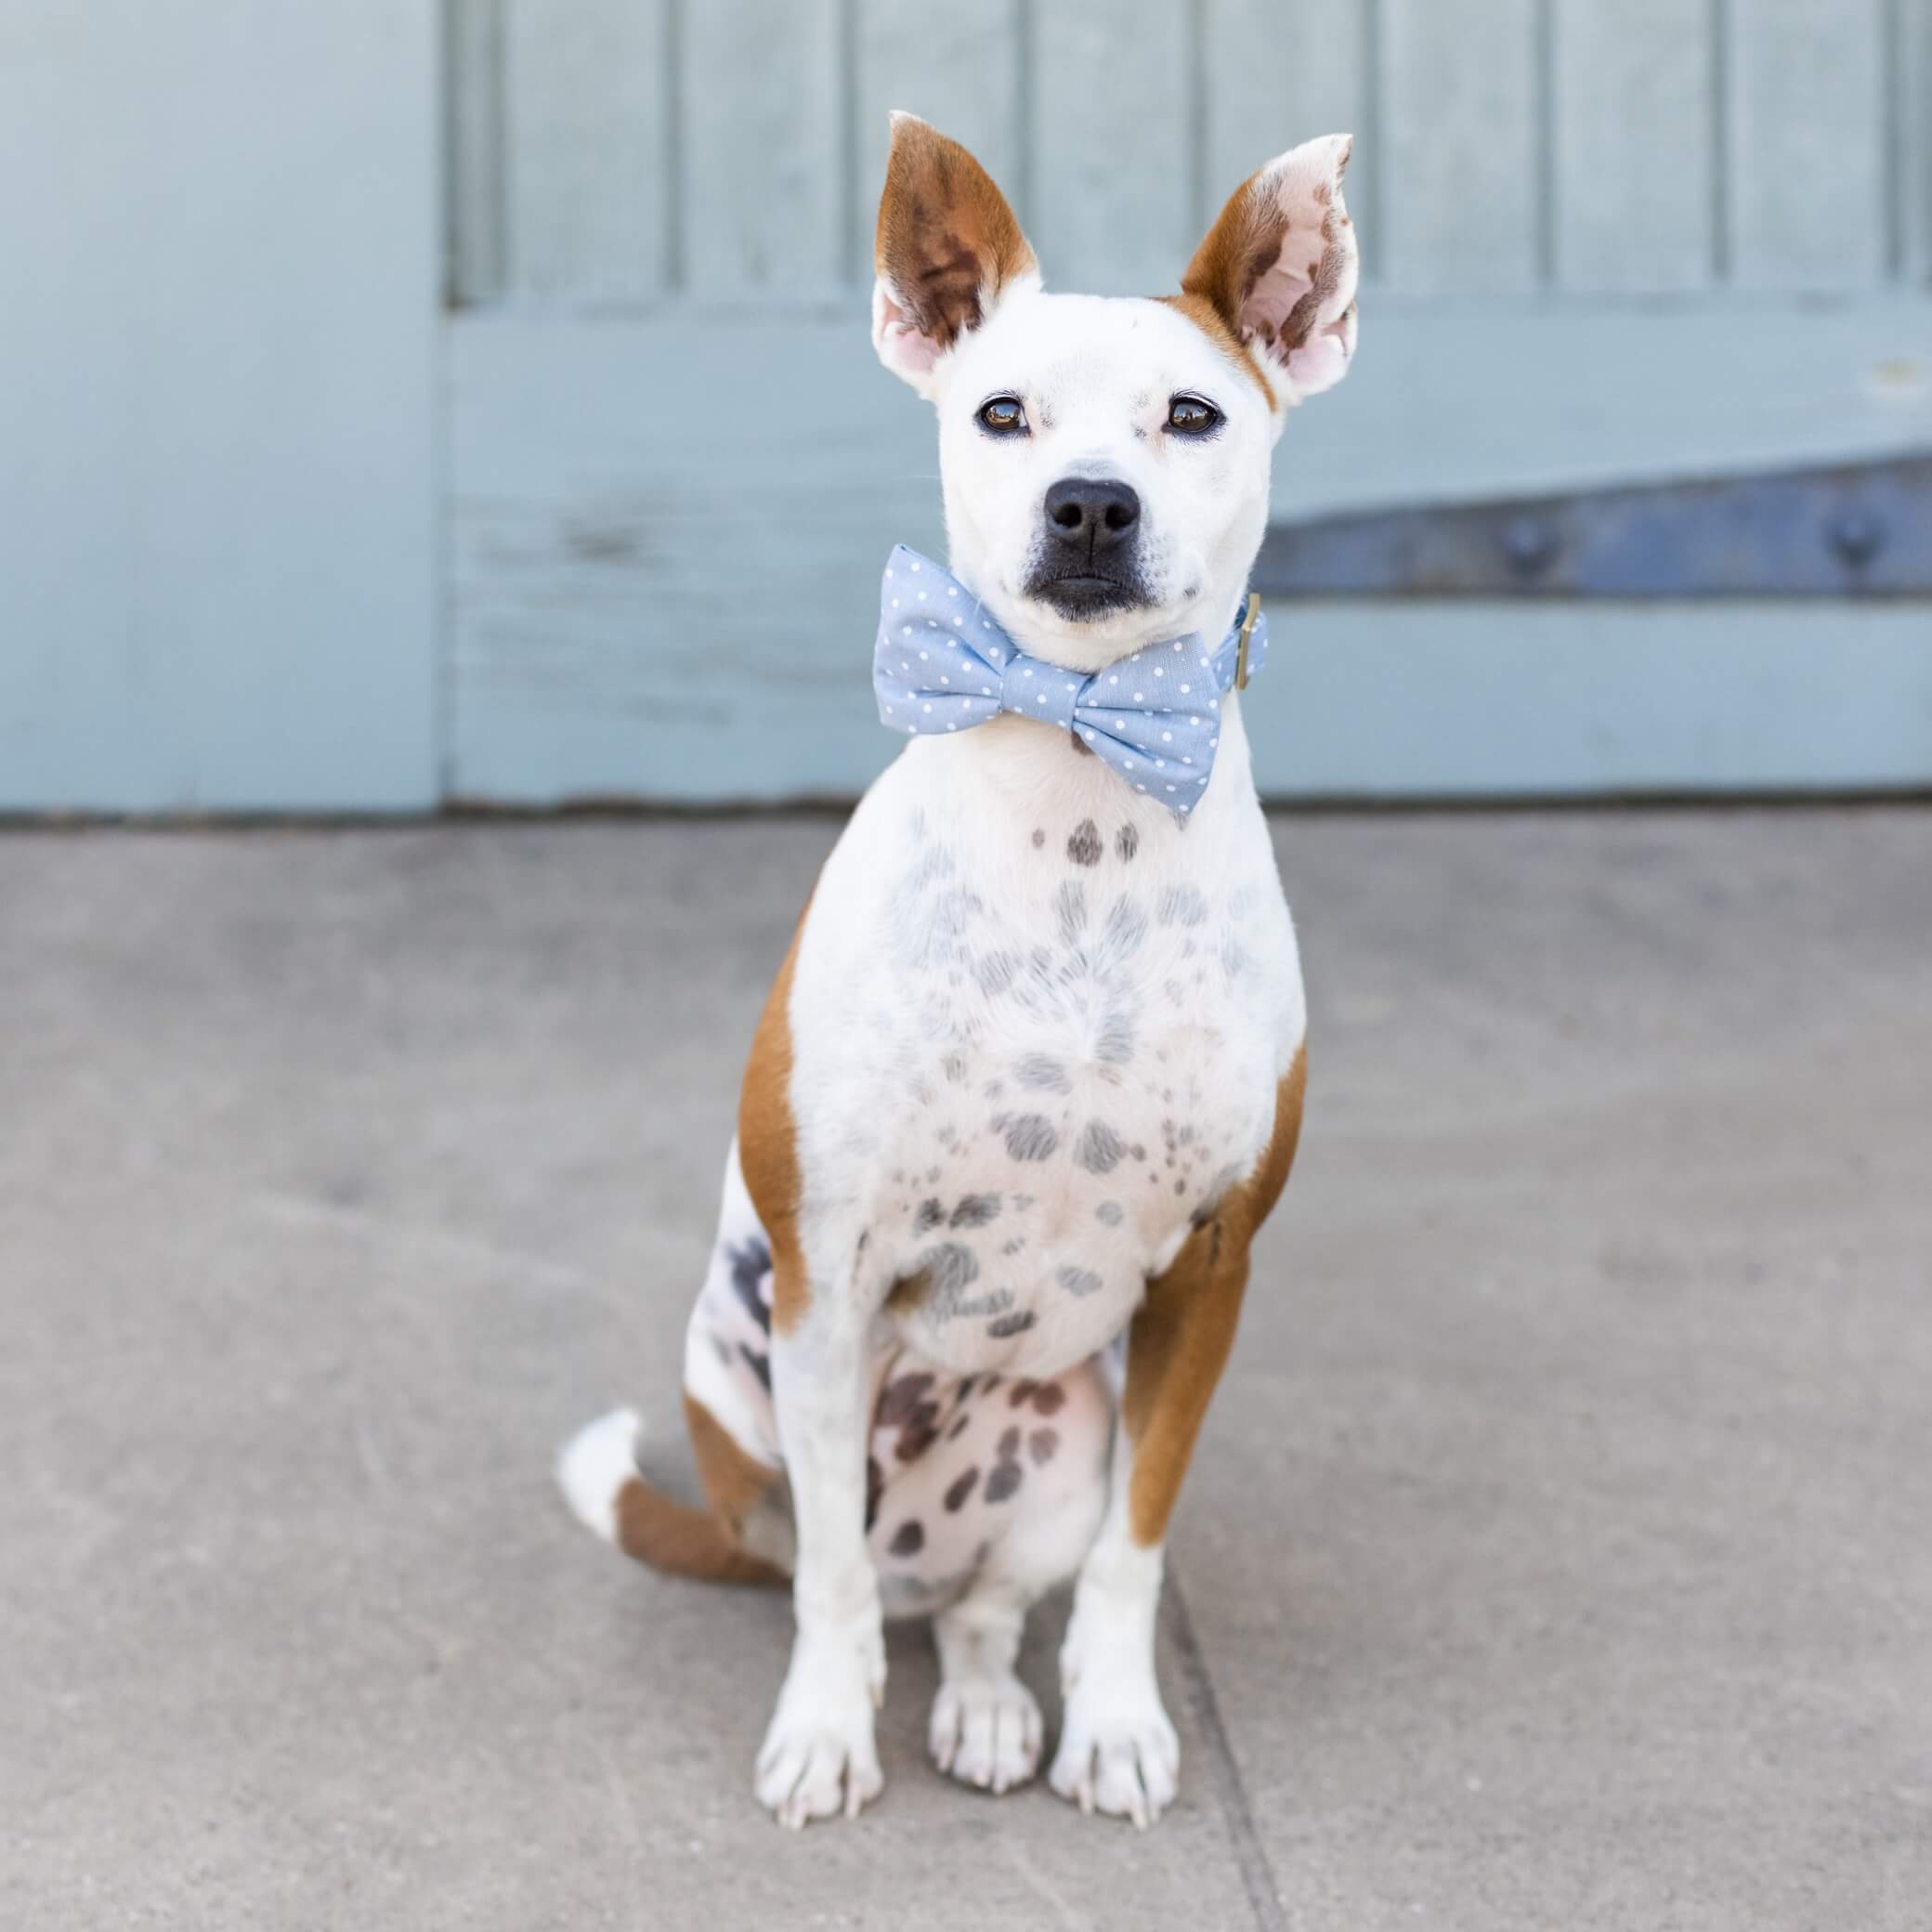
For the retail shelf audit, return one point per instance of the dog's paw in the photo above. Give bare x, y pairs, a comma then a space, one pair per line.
1119, 1754
818, 1758
987, 1731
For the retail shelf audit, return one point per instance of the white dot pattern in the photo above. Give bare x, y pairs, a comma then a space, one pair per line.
1121, 724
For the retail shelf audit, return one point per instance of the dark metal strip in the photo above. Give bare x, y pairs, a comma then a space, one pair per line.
1860, 530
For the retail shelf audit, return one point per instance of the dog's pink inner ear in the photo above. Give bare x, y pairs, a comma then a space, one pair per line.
947, 243
1279, 267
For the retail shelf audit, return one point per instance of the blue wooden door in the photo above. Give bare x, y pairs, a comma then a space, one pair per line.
281, 528
1605, 241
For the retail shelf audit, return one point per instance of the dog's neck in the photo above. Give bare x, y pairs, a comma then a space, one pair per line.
1012, 776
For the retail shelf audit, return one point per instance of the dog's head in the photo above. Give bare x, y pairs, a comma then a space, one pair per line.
1105, 460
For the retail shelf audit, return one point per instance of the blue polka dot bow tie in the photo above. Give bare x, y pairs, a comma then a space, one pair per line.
943, 664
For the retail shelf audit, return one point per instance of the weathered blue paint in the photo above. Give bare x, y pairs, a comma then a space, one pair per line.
636, 496
233, 430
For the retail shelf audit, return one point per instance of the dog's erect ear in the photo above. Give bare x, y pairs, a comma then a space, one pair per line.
1279, 268
948, 247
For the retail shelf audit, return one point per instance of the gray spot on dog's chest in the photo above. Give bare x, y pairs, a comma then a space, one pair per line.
949, 1267
1100, 1148
1182, 906
1029, 1136
1043, 1070
1048, 999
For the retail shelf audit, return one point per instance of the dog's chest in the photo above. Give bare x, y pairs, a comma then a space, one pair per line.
1040, 1045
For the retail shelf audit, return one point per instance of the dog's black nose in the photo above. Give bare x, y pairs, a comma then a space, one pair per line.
1096, 513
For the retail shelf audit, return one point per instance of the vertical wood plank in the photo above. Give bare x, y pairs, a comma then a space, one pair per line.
1278, 73
763, 109
476, 269
1809, 140
1113, 135
1910, 62
956, 66
586, 109
1634, 146
1459, 166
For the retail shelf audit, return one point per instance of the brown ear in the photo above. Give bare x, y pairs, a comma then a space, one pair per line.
1279, 268
948, 248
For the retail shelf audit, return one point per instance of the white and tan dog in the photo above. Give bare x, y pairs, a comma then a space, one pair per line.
1031, 1075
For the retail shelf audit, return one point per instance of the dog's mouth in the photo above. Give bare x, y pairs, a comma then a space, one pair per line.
1082, 596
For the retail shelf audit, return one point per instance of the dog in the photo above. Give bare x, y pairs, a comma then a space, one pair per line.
1031, 1075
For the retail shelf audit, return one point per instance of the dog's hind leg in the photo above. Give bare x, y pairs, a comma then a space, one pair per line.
745, 1534
997, 1503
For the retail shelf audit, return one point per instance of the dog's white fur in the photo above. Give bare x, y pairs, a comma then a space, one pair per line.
981, 1006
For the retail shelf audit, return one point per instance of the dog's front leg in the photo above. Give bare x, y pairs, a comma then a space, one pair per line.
1117, 1750
1118, 1753
818, 1758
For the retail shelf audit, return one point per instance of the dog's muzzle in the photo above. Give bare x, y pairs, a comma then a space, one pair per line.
1087, 562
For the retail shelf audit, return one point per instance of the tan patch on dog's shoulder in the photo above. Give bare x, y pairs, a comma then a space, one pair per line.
1208, 320
768, 1143
1184, 1330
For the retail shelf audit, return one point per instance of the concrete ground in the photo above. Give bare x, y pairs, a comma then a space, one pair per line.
1559, 1554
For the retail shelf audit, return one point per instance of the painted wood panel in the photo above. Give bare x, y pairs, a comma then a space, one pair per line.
766, 169
1462, 137
217, 403
1633, 174
634, 617
641, 613
587, 149
1281, 71
1114, 202
1908, 147
1810, 136
1486, 700
475, 244
620, 151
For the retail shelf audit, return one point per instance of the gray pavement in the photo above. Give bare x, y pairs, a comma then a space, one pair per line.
1558, 1556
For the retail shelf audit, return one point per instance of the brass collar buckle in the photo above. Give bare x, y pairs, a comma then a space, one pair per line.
1247, 630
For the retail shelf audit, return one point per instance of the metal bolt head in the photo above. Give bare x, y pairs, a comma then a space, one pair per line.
1529, 543
1857, 535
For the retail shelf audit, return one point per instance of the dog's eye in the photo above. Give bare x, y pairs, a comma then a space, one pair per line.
1003, 415
1192, 415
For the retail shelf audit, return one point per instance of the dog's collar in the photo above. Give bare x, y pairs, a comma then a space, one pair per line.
942, 664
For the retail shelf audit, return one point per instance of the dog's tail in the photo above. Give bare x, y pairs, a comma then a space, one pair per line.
599, 1476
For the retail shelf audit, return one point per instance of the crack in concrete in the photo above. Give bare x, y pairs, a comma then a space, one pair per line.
1250, 1854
